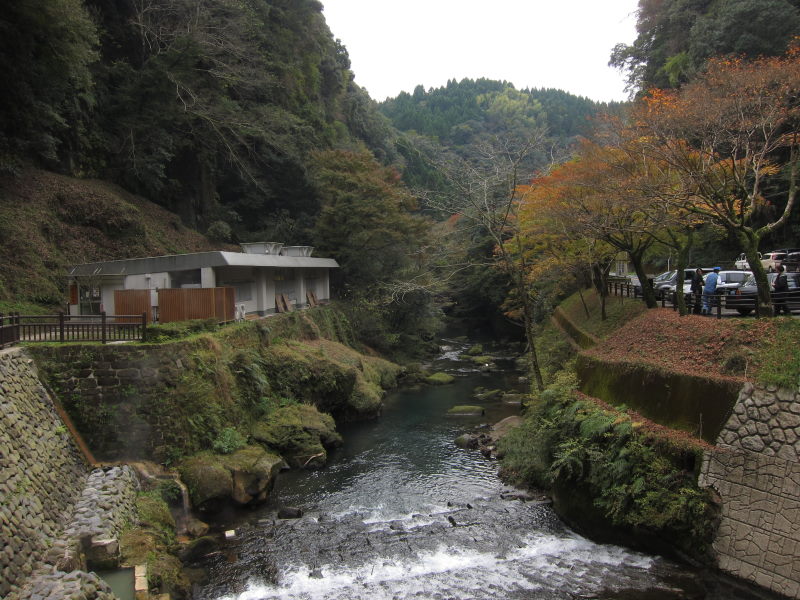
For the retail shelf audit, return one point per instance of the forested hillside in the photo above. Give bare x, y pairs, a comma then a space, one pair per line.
676, 38
243, 120
210, 109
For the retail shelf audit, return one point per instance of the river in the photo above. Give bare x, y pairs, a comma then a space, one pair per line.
401, 512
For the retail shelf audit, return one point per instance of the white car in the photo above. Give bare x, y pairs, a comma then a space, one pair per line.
771, 260
741, 262
730, 281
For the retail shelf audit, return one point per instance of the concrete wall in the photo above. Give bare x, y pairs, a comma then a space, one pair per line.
756, 472
42, 472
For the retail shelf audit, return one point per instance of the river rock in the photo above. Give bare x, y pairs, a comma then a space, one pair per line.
439, 379
467, 441
244, 477
465, 410
197, 549
300, 433
290, 512
484, 395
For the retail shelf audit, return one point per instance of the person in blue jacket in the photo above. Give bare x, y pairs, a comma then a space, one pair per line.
708, 290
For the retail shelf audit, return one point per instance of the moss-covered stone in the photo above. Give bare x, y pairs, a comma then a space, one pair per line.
244, 477
154, 512
439, 379
482, 360
465, 409
149, 542
485, 395
475, 350
169, 400
300, 433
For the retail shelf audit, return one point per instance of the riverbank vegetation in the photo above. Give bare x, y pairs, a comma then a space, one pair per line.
221, 389
610, 467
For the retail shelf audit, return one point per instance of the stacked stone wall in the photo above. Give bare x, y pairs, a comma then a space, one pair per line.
113, 385
42, 472
756, 472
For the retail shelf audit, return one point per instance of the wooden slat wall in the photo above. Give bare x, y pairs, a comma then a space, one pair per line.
132, 302
195, 303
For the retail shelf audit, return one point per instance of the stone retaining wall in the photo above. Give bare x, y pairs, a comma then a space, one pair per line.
42, 471
756, 472
55, 518
107, 390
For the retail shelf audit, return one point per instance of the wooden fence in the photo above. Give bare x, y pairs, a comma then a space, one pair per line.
67, 328
133, 302
196, 303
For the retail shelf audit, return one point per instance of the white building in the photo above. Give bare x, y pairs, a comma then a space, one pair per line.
262, 275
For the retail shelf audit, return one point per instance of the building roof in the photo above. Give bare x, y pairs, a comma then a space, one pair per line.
197, 260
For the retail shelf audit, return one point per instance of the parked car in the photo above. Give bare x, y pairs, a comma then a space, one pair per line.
741, 262
792, 262
688, 274
743, 299
771, 260
731, 280
662, 281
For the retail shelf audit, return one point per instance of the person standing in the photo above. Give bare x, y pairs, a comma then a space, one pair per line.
708, 290
780, 287
697, 290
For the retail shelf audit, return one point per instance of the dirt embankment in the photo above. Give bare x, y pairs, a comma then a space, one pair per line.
49, 221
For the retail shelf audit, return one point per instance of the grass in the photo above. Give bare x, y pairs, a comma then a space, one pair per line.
779, 356
618, 312
25, 308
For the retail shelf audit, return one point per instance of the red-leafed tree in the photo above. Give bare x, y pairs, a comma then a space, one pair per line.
732, 138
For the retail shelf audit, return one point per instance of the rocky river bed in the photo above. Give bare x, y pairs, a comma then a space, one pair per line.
402, 512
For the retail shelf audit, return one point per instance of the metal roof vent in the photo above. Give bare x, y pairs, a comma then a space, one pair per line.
297, 250
261, 247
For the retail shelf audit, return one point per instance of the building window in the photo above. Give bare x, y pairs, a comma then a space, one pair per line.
185, 279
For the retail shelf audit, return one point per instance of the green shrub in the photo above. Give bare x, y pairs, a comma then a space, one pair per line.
164, 332
639, 481
229, 441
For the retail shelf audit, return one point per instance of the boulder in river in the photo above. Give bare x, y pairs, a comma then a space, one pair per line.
467, 441
475, 350
300, 433
484, 395
465, 409
290, 512
439, 379
244, 477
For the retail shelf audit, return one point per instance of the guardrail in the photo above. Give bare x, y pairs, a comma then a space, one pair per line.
102, 328
716, 303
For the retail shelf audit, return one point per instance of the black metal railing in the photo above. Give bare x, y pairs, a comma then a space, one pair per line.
714, 304
102, 328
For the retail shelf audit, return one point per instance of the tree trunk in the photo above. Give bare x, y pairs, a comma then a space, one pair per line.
600, 276
680, 265
530, 336
749, 243
583, 301
648, 294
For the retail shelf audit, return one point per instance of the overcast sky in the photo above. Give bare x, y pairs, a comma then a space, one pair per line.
394, 45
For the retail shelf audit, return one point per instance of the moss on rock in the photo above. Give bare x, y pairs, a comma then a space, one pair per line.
482, 360
244, 477
475, 350
300, 433
439, 379
151, 541
465, 409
